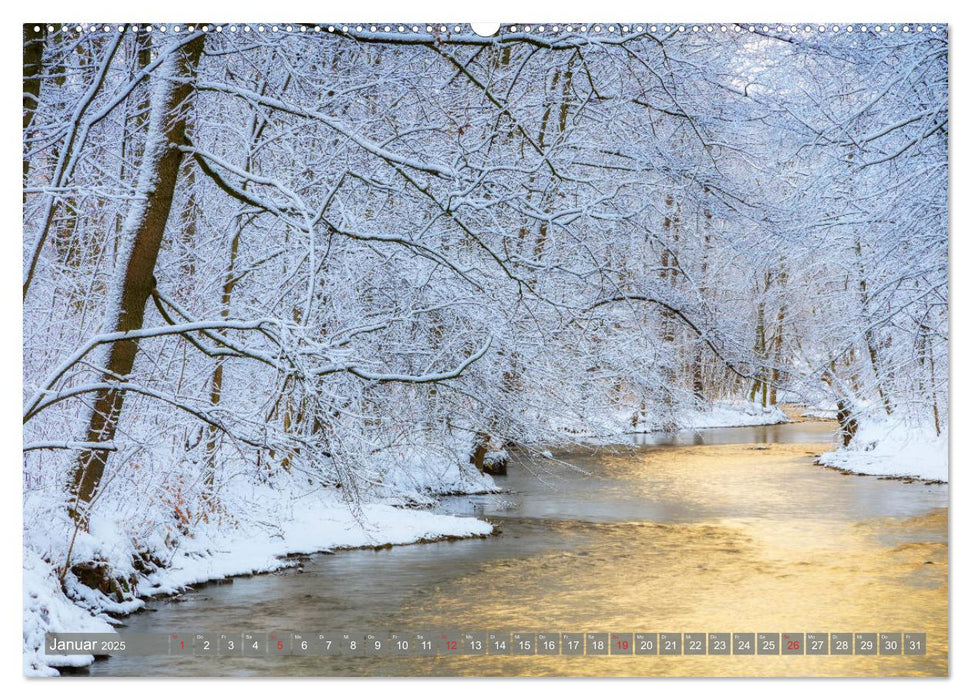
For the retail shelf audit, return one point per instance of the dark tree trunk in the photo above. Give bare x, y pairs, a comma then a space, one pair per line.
848, 423
145, 228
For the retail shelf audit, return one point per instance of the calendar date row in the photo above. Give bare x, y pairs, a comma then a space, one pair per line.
268, 644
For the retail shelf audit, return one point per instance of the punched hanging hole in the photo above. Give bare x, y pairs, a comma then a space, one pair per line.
485, 28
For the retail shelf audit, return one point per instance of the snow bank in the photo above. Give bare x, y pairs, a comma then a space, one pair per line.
295, 524
885, 447
821, 411
320, 528
617, 421
46, 608
718, 414
731, 414
441, 472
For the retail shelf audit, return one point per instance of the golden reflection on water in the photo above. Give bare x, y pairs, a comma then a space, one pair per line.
718, 538
754, 574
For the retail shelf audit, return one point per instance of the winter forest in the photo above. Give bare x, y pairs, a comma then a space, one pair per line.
285, 281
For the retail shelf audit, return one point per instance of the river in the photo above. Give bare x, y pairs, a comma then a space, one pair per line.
722, 530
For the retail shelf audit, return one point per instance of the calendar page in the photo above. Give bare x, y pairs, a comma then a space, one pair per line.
445, 349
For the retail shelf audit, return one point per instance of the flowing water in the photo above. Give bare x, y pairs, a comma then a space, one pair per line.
725, 530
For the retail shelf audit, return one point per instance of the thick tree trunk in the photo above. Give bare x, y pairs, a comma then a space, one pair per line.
141, 240
847, 421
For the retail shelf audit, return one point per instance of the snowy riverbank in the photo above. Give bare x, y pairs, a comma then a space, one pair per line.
732, 414
302, 524
718, 414
889, 448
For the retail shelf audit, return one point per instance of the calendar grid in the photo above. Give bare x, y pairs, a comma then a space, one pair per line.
492, 643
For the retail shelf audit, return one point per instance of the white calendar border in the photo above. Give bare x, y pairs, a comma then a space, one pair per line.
829, 11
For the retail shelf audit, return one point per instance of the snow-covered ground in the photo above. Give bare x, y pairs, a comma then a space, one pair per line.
616, 423
441, 472
304, 524
821, 411
718, 414
47, 609
729, 414
885, 447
